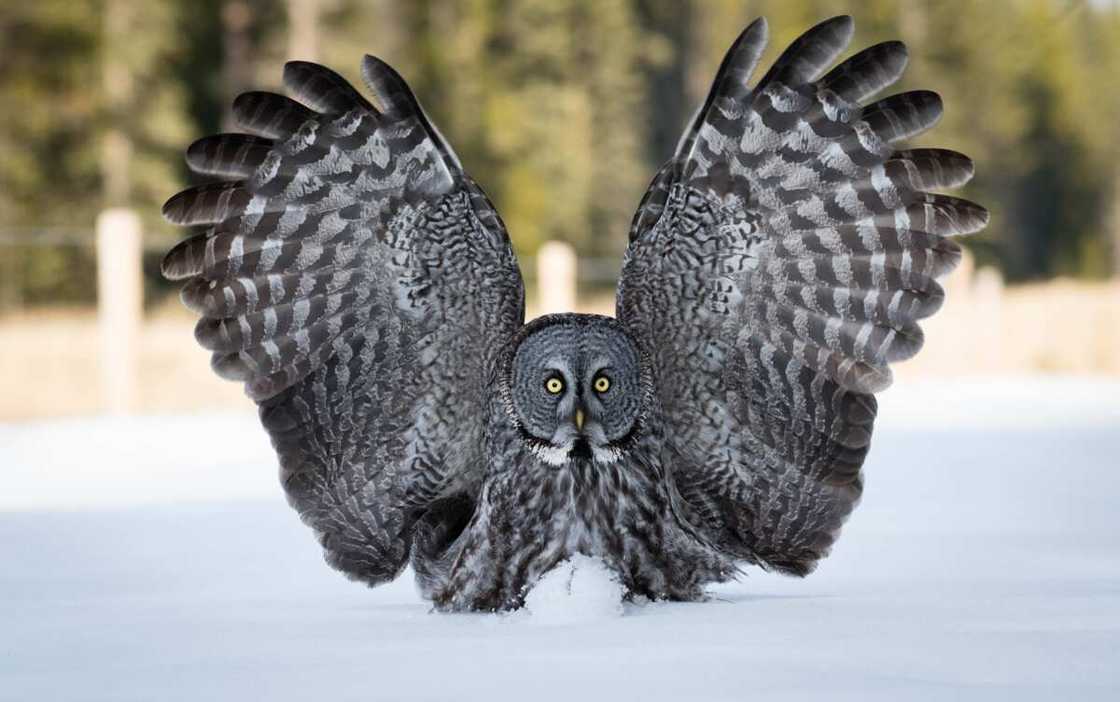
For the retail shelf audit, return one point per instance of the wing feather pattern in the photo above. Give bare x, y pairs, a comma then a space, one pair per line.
777, 266
358, 282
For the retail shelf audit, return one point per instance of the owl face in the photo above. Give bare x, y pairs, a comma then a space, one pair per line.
577, 389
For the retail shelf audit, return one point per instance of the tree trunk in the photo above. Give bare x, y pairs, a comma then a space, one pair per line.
303, 30
1115, 225
116, 78
237, 18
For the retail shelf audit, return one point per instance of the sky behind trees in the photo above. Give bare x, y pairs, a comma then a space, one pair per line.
561, 109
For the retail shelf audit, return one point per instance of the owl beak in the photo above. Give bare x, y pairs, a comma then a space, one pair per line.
579, 419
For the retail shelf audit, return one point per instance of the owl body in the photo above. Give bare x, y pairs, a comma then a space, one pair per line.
349, 271
541, 504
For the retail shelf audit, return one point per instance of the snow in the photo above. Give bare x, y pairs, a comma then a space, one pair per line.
580, 589
154, 558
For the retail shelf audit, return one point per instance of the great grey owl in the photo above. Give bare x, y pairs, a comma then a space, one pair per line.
363, 287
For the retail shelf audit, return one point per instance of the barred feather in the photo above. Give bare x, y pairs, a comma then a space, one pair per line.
903, 116
228, 155
810, 54
868, 72
321, 89
731, 81
344, 275
270, 115
929, 169
777, 267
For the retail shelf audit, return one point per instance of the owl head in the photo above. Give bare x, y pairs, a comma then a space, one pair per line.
576, 388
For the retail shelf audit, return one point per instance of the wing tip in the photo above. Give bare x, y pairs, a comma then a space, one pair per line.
965, 167
897, 55
387, 85
868, 379
754, 37
294, 67
759, 25
296, 72
844, 23
896, 46
962, 217
247, 100
180, 262
983, 217
173, 210
375, 63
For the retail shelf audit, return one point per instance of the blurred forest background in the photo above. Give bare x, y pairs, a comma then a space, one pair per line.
101, 97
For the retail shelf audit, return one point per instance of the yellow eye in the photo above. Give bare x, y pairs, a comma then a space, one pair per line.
602, 384
554, 385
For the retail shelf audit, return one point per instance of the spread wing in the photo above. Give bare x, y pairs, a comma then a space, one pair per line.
358, 282
778, 264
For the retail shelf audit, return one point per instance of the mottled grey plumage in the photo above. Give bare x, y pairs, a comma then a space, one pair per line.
553, 490
363, 288
361, 285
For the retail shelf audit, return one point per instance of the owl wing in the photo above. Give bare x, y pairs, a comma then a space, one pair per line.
358, 283
778, 264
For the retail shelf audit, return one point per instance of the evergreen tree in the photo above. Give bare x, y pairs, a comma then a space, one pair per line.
561, 109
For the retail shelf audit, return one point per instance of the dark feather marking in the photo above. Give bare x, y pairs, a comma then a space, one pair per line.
346, 321
768, 346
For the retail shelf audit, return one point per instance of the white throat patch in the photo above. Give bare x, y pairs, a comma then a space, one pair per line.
561, 455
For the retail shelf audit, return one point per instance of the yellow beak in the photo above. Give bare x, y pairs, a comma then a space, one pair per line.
579, 419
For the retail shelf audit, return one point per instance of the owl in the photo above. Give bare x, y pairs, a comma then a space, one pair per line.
361, 285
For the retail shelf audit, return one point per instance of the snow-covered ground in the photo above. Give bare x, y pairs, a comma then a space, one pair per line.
154, 558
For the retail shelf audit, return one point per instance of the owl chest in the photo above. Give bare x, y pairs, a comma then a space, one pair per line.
581, 508
590, 511
535, 516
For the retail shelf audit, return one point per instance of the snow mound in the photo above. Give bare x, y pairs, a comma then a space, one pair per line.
580, 589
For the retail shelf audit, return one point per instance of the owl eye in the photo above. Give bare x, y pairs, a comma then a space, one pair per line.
554, 385
602, 384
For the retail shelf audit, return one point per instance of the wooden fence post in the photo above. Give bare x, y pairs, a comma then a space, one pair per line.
119, 305
556, 278
987, 310
303, 29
